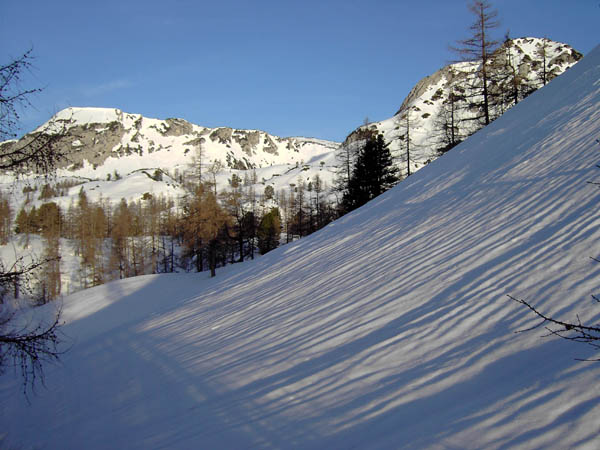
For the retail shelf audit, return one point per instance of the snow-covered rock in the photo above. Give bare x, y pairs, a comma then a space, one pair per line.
112, 139
106, 144
430, 94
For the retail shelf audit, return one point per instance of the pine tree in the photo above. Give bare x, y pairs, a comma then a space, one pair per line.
137, 240
374, 173
511, 72
508, 85
299, 223
248, 228
251, 216
168, 234
269, 231
152, 211
233, 201
284, 205
197, 165
346, 155
212, 218
90, 231
318, 188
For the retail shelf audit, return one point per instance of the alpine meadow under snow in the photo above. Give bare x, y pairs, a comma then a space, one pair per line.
389, 328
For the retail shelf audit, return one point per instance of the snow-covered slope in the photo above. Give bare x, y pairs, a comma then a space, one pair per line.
389, 328
530, 58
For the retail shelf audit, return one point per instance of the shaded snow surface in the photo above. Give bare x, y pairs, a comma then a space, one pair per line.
390, 328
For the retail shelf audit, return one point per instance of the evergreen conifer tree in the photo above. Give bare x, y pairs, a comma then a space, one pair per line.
374, 173
269, 231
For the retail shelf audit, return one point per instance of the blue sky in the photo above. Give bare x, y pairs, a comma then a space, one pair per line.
292, 68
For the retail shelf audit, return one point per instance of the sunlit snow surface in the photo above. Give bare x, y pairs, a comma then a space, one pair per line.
390, 328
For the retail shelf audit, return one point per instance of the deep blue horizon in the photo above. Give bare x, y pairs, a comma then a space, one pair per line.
313, 69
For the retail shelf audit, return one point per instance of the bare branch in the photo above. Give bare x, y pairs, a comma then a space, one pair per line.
571, 331
27, 347
12, 96
566, 325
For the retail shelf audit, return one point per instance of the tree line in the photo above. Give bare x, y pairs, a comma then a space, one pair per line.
203, 230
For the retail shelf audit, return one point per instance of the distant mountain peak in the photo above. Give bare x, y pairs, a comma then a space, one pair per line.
100, 140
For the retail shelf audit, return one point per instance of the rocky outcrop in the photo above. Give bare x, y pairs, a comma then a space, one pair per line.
248, 140
222, 135
177, 127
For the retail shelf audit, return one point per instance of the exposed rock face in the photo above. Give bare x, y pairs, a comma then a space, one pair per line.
222, 135
248, 140
269, 145
84, 142
446, 76
533, 61
177, 127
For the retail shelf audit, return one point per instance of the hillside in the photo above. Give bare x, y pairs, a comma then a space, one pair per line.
532, 60
388, 328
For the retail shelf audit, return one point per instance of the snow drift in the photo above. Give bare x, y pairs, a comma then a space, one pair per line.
390, 328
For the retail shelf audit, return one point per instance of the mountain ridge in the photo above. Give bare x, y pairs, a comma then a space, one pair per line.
120, 133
